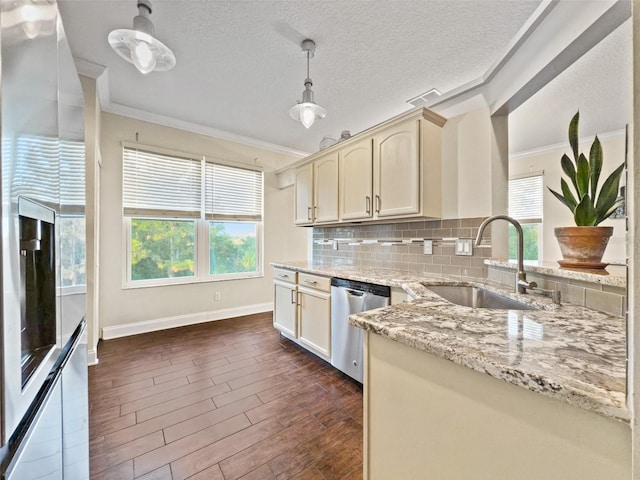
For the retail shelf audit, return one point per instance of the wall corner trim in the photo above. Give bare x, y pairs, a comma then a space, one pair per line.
127, 329
92, 357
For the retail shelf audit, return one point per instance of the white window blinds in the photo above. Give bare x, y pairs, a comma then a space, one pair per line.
233, 193
36, 174
160, 185
154, 184
72, 176
525, 198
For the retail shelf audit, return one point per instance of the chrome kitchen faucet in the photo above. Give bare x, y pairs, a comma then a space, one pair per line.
521, 277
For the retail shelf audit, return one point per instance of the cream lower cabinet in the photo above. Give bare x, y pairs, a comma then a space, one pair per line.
429, 418
302, 310
285, 302
315, 320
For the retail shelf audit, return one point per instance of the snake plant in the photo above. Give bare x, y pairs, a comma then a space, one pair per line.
589, 207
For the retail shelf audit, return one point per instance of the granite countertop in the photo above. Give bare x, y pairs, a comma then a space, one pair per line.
613, 275
380, 276
567, 352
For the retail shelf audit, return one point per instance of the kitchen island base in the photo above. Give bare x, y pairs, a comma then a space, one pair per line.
426, 417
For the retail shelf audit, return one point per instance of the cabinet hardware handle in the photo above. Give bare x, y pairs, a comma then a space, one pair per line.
308, 213
293, 300
283, 275
368, 204
310, 282
377, 203
315, 213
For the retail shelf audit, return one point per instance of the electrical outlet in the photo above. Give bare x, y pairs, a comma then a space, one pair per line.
217, 296
335, 244
464, 246
427, 247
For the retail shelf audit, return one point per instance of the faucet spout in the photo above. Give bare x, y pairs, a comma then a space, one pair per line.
521, 283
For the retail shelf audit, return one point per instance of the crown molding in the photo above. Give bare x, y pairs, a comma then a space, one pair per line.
553, 38
535, 152
100, 74
191, 127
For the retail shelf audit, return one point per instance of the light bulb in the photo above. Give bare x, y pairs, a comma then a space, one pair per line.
143, 57
307, 115
30, 20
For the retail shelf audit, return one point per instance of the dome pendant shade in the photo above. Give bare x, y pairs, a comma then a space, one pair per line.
307, 110
139, 46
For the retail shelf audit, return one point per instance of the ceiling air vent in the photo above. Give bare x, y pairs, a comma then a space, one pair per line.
425, 99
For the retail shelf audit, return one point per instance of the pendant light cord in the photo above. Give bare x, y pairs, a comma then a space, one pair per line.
308, 58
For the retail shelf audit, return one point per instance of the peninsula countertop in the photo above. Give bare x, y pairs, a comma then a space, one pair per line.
571, 353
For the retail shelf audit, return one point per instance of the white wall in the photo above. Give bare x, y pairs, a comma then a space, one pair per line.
282, 241
474, 167
92, 175
555, 214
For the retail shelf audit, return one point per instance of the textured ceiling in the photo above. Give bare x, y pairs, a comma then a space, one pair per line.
598, 84
240, 67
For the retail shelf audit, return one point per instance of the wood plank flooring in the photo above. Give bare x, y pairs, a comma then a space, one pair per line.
219, 401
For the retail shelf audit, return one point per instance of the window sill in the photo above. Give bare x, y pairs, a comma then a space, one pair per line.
188, 281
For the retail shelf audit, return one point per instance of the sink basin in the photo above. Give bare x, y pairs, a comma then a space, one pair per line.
476, 297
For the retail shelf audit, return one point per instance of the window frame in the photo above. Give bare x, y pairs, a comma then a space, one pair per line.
201, 237
538, 221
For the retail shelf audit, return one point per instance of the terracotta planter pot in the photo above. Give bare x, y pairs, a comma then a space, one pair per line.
583, 247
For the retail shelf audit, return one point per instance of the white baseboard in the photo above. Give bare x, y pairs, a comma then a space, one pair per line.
92, 357
125, 330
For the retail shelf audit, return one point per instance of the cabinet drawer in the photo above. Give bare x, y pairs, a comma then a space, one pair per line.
314, 281
285, 275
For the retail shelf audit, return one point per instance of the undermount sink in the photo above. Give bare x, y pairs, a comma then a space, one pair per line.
476, 297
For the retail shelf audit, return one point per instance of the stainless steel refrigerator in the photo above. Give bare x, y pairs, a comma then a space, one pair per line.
44, 398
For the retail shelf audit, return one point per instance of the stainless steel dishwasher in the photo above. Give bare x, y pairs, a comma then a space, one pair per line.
347, 297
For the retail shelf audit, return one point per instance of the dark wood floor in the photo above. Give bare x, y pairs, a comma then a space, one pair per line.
222, 400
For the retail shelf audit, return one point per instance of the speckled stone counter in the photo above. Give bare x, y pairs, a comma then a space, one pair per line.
380, 276
570, 353
613, 275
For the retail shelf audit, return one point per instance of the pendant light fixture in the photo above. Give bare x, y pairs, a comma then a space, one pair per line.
139, 46
306, 110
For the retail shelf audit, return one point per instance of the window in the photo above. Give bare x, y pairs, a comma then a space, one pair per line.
525, 205
189, 219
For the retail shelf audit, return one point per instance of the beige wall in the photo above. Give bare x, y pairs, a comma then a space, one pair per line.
92, 151
282, 241
469, 166
557, 215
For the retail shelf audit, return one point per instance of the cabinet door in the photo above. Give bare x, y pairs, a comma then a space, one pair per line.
397, 171
325, 189
303, 188
285, 308
315, 320
356, 180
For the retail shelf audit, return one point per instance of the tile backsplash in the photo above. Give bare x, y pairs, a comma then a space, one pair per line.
390, 252
593, 295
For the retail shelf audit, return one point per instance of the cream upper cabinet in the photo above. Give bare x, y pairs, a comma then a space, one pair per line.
325, 189
356, 180
303, 188
391, 171
396, 170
